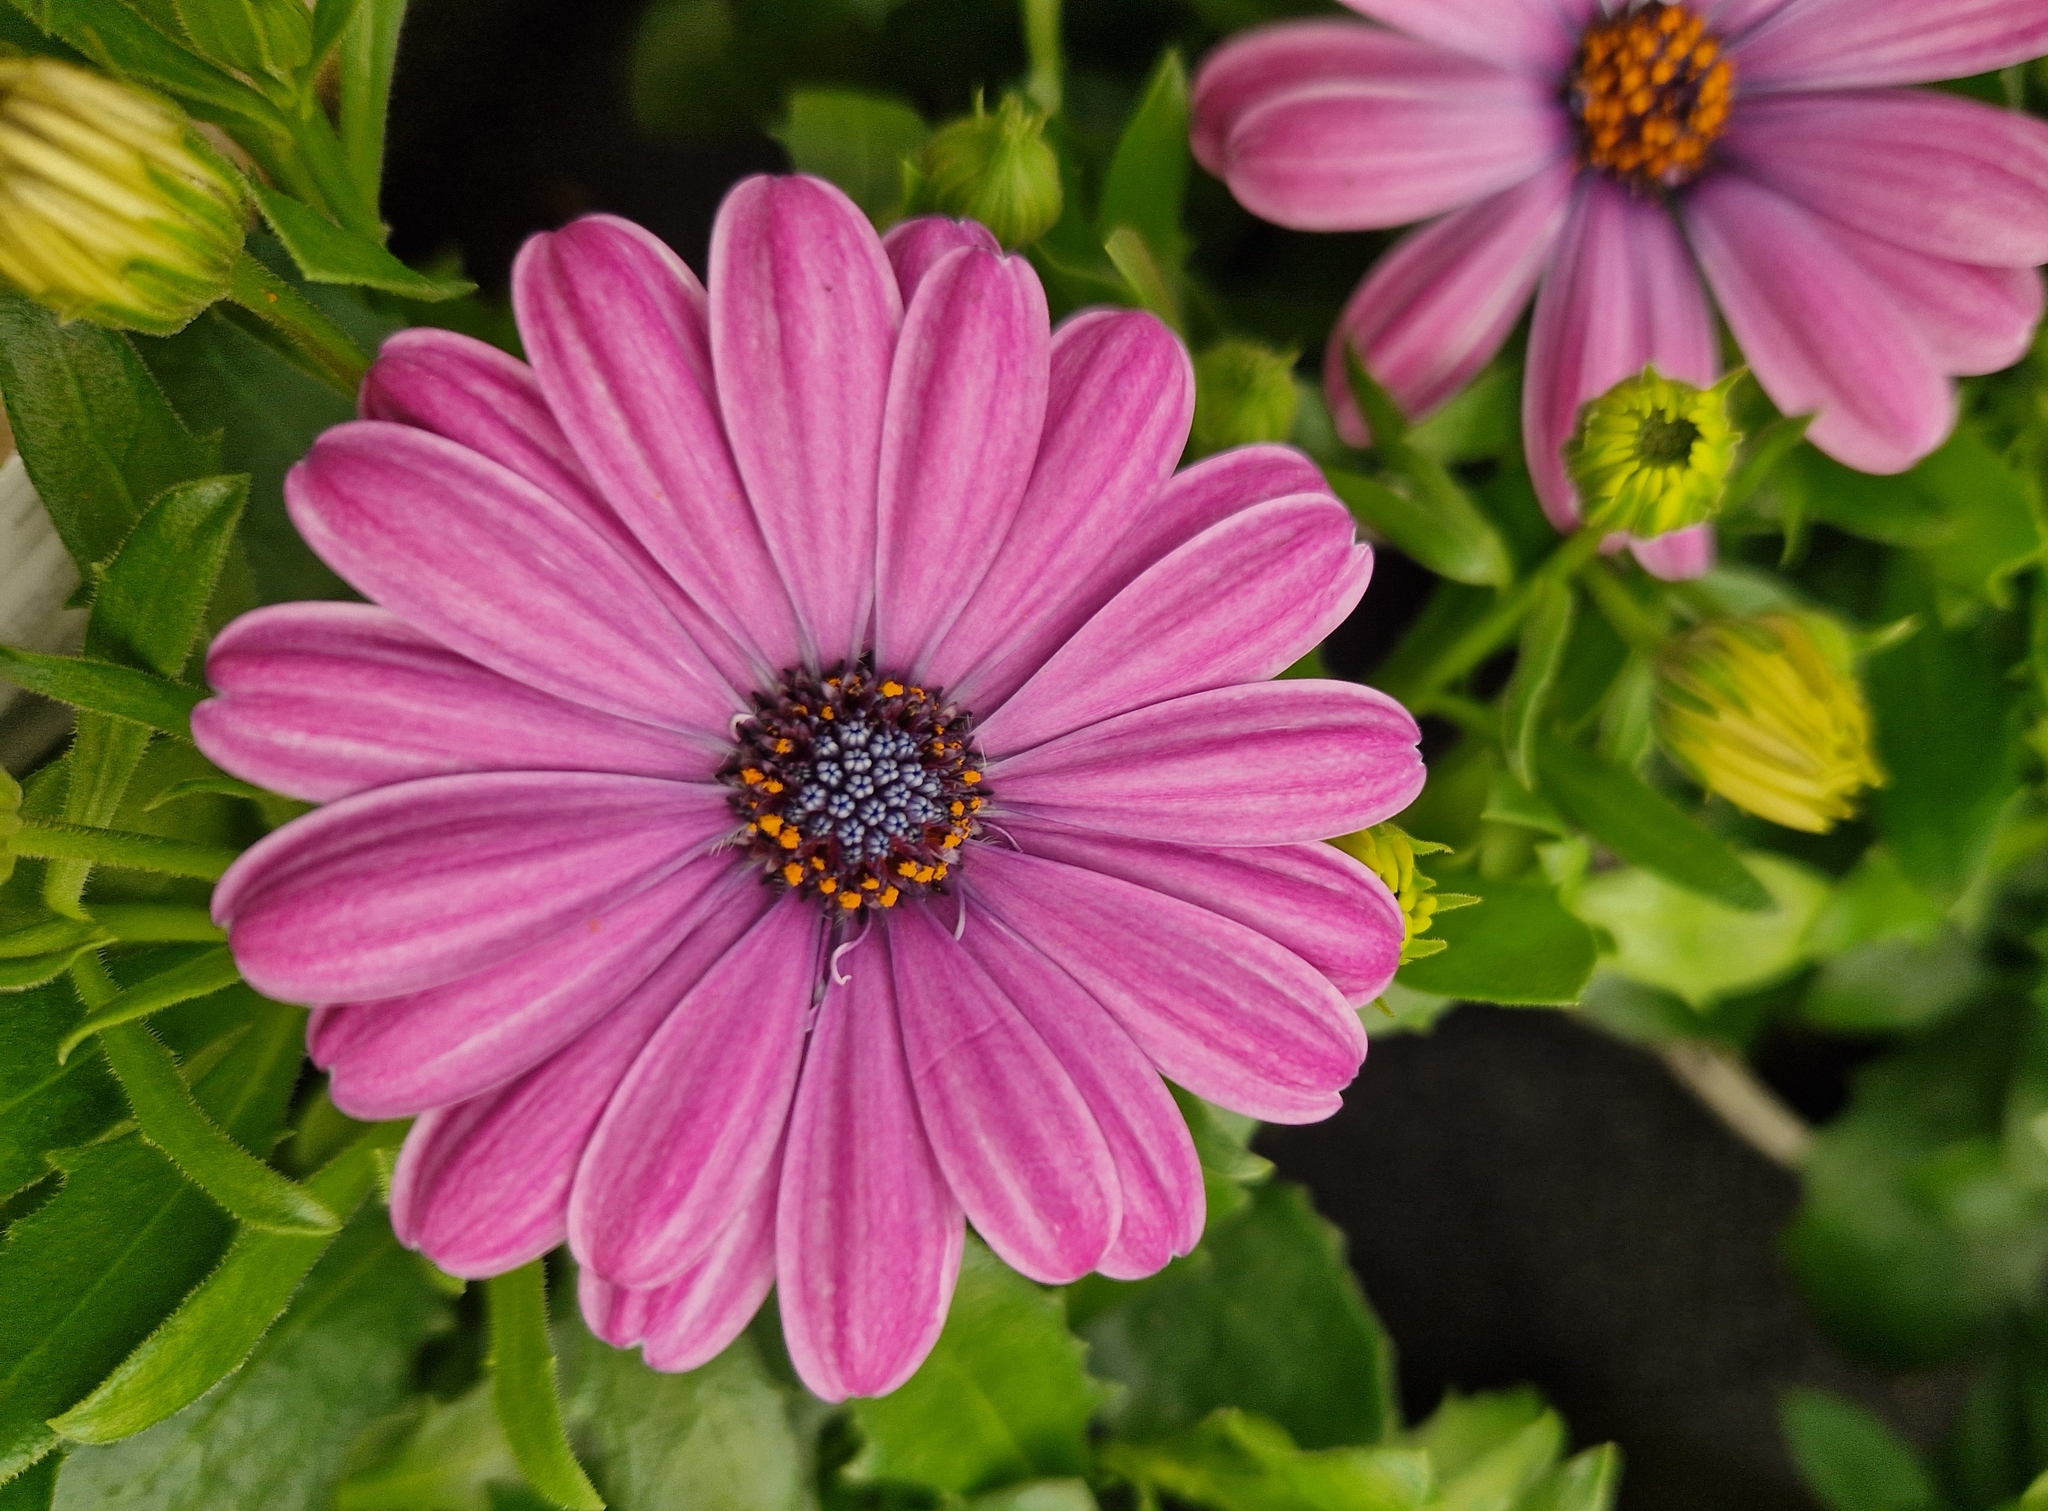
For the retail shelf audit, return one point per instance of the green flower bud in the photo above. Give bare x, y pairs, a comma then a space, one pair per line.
1768, 713
1652, 455
1390, 854
997, 169
111, 207
1244, 392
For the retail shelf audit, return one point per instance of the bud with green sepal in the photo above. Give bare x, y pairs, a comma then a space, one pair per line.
1389, 853
1768, 713
1244, 393
1653, 455
995, 167
112, 209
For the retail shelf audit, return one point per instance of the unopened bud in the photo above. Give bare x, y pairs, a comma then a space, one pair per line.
1768, 713
111, 208
1653, 455
1389, 852
1244, 392
996, 168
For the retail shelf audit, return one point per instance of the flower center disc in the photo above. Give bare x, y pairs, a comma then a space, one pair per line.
856, 787
1650, 91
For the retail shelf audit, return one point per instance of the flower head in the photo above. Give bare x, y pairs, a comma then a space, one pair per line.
1618, 162
111, 208
995, 168
805, 773
1652, 455
1768, 713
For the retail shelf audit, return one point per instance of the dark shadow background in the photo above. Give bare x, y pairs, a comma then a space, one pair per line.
1525, 1199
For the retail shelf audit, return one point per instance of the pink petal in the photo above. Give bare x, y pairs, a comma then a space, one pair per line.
1158, 1176
1312, 899
1218, 1007
1821, 334
693, 1128
1013, 1135
1937, 175
399, 1056
1242, 601
1265, 764
1680, 556
1849, 44
1438, 306
616, 327
918, 245
867, 1233
321, 700
804, 311
1536, 36
409, 887
1729, 18
493, 568
1257, 65
1345, 156
1621, 293
1972, 319
966, 409
483, 1186
690, 1321
1120, 398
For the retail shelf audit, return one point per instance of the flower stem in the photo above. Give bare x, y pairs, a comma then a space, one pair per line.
1643, 629
331, 351
1466, 651
48, 839
1730, 1089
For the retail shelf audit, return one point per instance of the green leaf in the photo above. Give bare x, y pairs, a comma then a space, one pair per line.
1850, 1460
1520, 946
331, 21
1147, 179
1266, 1315
857, 140
1588, 1482
1698, 949
1458, 543
1145, 278
1233, 1461
1003, 1397
103, 687
1545, 634
2036, 1498
95, 432
31, 1491
151, 600
1894, 985
1488, 1451
328, 253
1643, 826
450, 1458
243, 1185
1032, 1495
1383, 417
45, 1105
1222, 1141
369, 51
273, 37
219, 1325
523, 1388
202, 975
278, 1434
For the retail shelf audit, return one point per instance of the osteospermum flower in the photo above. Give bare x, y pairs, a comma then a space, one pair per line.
804, 775
1864, 243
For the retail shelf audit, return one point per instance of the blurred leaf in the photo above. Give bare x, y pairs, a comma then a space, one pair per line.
1144, 276
104, 688
1545, 634
328, 253
46, 1105
1265, 1315
449, 1456
331, 21
95, 432
1894, 985
1458, 543
276, 1434
857, 140
1852, 1461
1482, 423
1233, 1461
1643, 826
1004, 1396
1875, 901
1147, 178
1504, 1434
1588, 1482
369, 50
1698, 949
523, 1388
1034, 1495
273, 37
1520, 946
1222, 1140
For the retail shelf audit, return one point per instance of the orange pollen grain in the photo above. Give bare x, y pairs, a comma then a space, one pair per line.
1651, 92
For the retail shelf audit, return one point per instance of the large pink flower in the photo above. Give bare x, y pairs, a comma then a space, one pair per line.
1864, 243
807, 774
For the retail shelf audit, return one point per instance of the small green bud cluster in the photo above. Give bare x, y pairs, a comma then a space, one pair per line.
995, 167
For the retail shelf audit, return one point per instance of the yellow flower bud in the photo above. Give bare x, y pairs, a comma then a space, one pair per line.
1768, 713
1390, 854
1244, 392
997, 169
111, 207
1652, 455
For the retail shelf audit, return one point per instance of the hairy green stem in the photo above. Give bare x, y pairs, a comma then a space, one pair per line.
49, 839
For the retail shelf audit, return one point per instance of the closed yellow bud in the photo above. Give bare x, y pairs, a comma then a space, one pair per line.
1244, 392
1389, 852
995, 168
111, 208
1653, 455
1768, 713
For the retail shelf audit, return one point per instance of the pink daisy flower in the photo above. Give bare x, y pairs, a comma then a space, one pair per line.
1864, 243
805, 774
